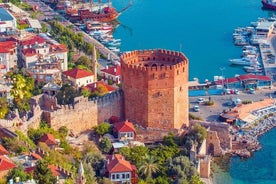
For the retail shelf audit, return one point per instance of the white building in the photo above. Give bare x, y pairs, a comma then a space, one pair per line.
7, 21
79, 77
8, 56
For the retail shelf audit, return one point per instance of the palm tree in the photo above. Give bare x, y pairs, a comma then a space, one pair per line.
149, 166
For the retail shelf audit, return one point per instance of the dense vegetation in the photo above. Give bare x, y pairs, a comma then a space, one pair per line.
163, 163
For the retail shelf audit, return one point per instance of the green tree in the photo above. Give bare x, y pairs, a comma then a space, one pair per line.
181, 168
85, 92
135, 154
105, 145
4, 107
18, 172
149, 167
164, 153
66, 95
43, 174
95, 160
89, 173
198, 133
103, 128
85, 61
99, 91
63, 131
21, 90
195, 180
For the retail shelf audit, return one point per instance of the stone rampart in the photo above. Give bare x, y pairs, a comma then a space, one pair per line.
219, 140
84, 114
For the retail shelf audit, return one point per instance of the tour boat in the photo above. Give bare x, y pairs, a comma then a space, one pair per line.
269, 4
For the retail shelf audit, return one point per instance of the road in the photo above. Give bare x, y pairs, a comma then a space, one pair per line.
211, 113
50, 14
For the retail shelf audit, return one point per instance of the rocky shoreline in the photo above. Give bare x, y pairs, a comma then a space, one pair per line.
249, 141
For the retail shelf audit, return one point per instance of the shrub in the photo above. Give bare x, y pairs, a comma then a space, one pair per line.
209, 103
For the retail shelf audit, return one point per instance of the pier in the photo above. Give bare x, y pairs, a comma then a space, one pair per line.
267, 51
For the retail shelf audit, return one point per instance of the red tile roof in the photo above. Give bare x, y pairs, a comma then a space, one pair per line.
33, 40
58, 48
247, 77
6, 46
243, 77
117, 163
77, 73
5, 163
29, 52
53, 169
92, 87
3, 150
263, 78
48, 139
113, 70
36, 156
124, 127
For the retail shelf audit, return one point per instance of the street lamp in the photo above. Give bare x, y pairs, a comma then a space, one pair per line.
221, 69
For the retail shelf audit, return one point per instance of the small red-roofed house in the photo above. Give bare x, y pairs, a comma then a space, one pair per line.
8, 55
119, 170
124, 130
96, 85
112, 73
5, 166
79, 77
60, 51
3, 150
49, 140
57, 172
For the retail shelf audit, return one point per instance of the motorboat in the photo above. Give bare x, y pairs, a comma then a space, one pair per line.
253, 69
244, 61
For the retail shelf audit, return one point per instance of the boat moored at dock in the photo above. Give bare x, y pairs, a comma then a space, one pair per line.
244, 61
269, 4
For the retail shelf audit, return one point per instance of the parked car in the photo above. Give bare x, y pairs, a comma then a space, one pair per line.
200, 100
196, 108
251, 91
236, 91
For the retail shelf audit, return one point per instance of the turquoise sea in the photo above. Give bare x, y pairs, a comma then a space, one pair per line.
203, 31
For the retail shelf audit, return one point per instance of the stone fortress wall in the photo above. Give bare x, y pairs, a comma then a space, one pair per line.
155, 85
219, 140
84, 114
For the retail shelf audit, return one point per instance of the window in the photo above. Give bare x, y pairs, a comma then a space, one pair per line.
123, 176
127, 175
117, 176
41, 76
113, 176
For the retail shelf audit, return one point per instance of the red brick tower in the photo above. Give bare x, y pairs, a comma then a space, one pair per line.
155, 86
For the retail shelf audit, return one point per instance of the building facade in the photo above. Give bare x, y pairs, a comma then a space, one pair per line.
155, 86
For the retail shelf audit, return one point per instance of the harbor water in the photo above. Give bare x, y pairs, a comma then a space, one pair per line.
259, 169
203, 31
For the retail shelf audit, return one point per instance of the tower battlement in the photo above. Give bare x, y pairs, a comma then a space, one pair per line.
153, 60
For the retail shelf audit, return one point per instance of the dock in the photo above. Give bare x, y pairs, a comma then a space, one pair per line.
267, 50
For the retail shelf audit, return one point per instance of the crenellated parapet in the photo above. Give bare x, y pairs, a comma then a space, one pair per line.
153, 60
